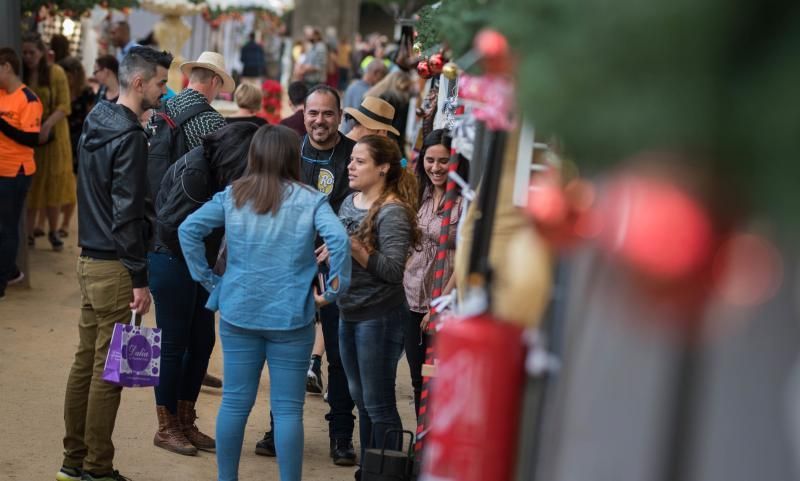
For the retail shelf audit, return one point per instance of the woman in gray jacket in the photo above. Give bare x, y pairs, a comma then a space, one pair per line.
381, 220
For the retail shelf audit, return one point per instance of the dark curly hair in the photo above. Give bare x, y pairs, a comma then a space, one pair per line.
400, 184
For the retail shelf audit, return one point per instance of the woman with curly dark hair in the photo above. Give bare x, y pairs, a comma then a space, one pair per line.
381, 220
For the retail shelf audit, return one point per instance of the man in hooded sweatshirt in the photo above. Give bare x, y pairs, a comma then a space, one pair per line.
114, 234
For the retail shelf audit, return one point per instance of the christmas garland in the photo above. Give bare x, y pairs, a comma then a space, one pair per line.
75, 8
612, 79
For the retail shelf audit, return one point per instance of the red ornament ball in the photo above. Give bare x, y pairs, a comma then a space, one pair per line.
436, 63
491, 44
423, 69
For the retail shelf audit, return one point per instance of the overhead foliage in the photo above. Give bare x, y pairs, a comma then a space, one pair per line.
614, 78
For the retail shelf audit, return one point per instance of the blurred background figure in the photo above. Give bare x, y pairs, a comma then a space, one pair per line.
106, 70
53, 185
344, 62
120, 34
59, 47
313, 64
354, 94
396, 88
253, 61
297, 97
248, 99
81, 102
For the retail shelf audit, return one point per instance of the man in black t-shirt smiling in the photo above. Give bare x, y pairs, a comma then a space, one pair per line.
325, 151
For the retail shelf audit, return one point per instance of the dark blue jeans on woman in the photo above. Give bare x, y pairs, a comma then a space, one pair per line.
370, 351
12, 198
187, 329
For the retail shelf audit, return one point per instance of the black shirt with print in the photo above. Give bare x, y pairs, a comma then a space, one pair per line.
326, 170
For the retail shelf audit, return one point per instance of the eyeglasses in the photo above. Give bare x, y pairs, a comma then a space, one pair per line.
316, 161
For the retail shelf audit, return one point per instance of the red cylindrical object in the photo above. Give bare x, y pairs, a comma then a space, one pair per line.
476, 396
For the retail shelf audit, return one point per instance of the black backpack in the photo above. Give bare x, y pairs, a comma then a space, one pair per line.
168, 142
175, 202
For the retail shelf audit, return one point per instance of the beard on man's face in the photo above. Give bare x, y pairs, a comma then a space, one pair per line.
148, 104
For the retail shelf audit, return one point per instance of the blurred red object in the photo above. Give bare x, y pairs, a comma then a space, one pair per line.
748, 270
436, 63
271, 102
494, 51
563, 216
475, 401
423, 69
656, 227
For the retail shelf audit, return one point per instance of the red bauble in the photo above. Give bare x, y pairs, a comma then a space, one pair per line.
423, 69
491, 44
656, 227
436, 63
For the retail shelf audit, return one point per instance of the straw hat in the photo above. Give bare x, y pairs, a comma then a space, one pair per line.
375, 114
214, 62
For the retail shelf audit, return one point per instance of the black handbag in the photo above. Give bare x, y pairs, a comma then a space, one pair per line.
389, 464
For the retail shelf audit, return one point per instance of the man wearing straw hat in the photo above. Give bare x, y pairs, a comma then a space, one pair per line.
207, 78
188, 329
373, 117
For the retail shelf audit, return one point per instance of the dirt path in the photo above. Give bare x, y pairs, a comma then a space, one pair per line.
38, 337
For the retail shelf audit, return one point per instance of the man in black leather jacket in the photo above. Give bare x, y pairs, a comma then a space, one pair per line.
112, 270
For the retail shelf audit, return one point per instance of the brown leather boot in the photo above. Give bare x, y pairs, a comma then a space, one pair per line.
186, 417
170, 436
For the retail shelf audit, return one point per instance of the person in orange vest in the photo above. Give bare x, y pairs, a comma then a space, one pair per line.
20, 122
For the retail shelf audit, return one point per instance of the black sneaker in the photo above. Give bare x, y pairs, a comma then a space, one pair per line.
266, 447
55, 241
314, 376
113, 476
342, 452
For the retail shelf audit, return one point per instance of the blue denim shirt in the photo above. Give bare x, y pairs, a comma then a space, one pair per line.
271, 263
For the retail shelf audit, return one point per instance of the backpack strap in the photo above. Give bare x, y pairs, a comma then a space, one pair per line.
164, 116
191, 112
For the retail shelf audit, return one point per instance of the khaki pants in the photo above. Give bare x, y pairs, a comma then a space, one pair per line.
90, 405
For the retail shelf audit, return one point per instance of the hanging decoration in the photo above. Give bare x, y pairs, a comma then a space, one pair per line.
74, 8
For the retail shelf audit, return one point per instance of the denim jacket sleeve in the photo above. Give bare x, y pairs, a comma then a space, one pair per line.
335, 236
191, 233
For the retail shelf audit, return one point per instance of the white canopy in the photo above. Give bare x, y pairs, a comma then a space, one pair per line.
279, 6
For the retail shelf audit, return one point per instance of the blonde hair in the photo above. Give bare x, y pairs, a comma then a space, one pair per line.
248, 97
397, 83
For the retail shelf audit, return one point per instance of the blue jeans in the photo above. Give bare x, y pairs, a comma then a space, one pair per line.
244, 352
370, 351
340, 418
12, 197
187, 330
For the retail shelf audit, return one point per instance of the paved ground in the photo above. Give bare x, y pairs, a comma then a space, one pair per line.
38, 336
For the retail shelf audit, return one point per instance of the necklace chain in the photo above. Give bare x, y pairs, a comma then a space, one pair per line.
316, 161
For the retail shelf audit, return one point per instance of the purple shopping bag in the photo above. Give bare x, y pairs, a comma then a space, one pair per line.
134, 355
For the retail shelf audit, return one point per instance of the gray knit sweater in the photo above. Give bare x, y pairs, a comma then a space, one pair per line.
378, 288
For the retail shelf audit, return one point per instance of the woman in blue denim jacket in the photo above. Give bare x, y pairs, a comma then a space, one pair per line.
265, 299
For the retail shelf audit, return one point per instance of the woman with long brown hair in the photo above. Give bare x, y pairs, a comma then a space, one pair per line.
264, 297
381, 220
54, 182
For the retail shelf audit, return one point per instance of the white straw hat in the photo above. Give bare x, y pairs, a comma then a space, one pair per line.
214, 62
